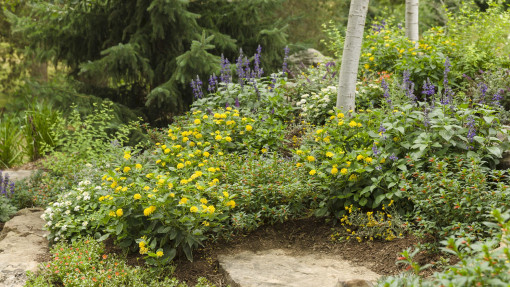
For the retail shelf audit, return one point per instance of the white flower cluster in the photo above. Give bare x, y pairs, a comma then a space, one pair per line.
69, 215
315, 107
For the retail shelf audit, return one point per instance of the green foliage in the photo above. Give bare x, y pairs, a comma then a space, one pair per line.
454, 196
480, 264
39, 120
150, 48
188, 191
10, 137
6, 209
78, 140
85, 263
269, 189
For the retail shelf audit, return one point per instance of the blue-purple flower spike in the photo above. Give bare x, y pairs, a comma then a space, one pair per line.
384, 85
196, 85
213, 84
225, 76
257, 69
483, 90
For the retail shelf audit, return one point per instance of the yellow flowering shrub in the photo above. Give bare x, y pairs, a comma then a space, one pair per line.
173, 198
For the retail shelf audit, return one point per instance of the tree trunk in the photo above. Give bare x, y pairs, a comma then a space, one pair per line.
350, 59
412, 31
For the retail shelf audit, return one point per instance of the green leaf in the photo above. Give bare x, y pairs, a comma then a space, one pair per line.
104, 237
363, 201
119, 228
494, 150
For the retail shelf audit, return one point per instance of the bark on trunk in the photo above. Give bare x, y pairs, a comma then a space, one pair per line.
412, 31
346, 97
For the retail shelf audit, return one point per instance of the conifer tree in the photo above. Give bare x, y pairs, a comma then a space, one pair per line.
151, 47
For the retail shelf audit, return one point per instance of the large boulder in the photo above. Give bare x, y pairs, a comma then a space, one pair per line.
307, 58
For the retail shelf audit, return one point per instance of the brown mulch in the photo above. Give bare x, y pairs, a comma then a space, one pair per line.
300, 237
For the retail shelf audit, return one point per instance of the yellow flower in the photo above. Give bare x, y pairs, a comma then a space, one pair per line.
211, 209
360, 157
218, 137
340, 115
340, 123
112, 213
371, 58
146, 188
231, 204
225, 194
180, 165
310, 158
193, 209
312, 172
367, 66
343, 171
127, 169
196, 122
359, 125
127, 156
183, 200
299, 164
205, 223
334, 170
159, 253
137, 196
172, 194
168, 150
149, 210
203, 201
353, 177
249, 128
264, 150
348, 163
229, 139
329, 154
368, 160
206, 154
119, 212
353, 124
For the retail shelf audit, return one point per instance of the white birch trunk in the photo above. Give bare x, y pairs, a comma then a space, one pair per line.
412, 20
346, 97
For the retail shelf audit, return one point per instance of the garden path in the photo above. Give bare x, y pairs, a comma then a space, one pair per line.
22, 242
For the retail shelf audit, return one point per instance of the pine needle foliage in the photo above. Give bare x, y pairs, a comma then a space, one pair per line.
154, 46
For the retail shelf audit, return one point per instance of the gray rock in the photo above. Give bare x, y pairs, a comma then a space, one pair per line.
308, 57
279, 267
16, 175
22, 243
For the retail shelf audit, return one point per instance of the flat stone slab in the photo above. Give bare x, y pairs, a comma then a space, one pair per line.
22, 243
278, 267
16, 175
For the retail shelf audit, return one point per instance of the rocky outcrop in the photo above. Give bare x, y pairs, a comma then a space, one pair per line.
307, 58
22, 246
279, 267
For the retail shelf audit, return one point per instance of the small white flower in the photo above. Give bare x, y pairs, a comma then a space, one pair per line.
77, 208
56, 239
68, 212
88, 165
98, 187
49, 223
64, 228
85, 223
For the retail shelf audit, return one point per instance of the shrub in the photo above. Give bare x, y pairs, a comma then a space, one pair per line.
455, 195
479, 264
185, 193
85, 263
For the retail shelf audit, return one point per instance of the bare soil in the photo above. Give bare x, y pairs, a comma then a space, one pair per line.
301, 237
